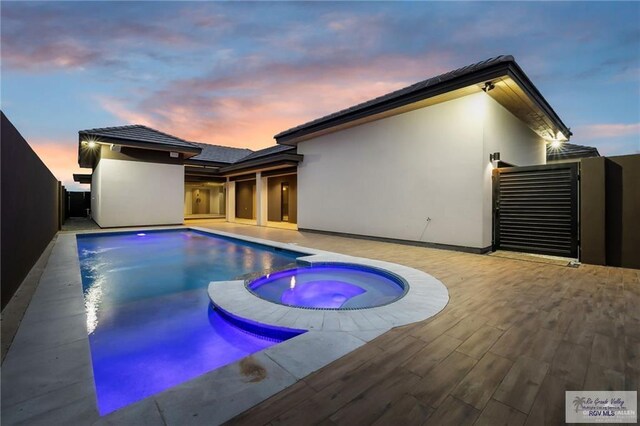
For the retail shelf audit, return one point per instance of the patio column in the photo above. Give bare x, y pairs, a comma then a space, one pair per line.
230, 207
261, 199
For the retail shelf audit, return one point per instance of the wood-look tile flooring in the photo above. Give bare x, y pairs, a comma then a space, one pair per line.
513, 338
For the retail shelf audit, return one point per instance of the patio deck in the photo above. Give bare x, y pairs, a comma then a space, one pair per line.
515, 335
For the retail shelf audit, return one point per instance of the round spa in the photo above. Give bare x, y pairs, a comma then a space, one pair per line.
330, 286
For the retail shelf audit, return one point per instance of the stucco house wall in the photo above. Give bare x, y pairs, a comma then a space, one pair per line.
131, 193
517, 145
386, 177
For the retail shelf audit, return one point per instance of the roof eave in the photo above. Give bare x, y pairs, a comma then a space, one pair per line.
262, 162
212, 163
504, 68
143, 144
519, 76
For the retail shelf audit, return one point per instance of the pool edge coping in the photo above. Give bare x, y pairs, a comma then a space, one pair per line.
318, 349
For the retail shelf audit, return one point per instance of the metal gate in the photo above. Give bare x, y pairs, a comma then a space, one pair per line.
535, 209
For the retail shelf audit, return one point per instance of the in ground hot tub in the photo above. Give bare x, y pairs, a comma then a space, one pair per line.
330, 286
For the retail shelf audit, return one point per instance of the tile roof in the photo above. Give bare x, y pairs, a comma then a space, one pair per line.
138, 133
208, 152
400, 93
568, 151
268, 151
220, 154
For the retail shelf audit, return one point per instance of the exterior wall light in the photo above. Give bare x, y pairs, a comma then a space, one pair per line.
488, 86
494, 157
91, 144
556, 144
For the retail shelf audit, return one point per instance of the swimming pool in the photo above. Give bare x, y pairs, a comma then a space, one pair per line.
330, 286
149, 318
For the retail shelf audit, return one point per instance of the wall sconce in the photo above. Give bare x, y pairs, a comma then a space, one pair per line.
495, 157
488, 86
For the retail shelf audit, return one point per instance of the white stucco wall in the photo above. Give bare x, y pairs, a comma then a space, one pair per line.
131, 193
517, 145
385, 178
96, 177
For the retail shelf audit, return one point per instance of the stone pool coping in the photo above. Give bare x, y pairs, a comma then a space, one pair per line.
47, 375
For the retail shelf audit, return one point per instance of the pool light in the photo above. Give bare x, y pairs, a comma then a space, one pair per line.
293, 283
141, 234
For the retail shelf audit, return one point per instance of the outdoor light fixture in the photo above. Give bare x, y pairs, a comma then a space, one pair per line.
556, 144
91, 144
494, 157
488, 86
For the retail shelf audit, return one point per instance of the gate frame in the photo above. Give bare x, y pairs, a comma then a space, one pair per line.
575, 203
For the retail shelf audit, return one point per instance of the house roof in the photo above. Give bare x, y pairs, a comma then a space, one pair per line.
267, 152
476, 74
220, 154
570, 151
273, 157
82, 177
196, 153
138, 133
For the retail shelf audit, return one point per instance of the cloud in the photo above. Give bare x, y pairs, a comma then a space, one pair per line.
50, 55
61, 158
248, 107
59, 36
608, 130
122, 112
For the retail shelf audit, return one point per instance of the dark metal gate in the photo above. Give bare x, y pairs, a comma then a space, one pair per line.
535, 209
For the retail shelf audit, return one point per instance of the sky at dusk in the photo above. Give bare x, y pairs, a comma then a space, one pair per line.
238, 73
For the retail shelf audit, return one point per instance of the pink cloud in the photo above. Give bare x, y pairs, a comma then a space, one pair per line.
247, 109
62, 159
68, 54
124, 113
608, 130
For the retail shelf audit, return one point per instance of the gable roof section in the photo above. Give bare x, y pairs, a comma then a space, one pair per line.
219, 154
267, 152
137, 133
276, 156
475, 74
196, 153
570, 151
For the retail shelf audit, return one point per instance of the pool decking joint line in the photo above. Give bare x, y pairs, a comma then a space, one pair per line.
53, 380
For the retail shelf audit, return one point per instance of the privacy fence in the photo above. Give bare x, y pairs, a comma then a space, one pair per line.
33, 208
610, 211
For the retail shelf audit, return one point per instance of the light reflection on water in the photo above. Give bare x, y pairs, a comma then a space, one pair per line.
147, 309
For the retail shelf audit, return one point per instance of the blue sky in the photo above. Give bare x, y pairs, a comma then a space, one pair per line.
238, 73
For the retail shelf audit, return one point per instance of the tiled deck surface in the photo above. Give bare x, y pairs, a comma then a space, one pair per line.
513, 338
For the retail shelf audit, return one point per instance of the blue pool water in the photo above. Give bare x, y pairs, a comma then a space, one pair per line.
330, 286
149, 319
